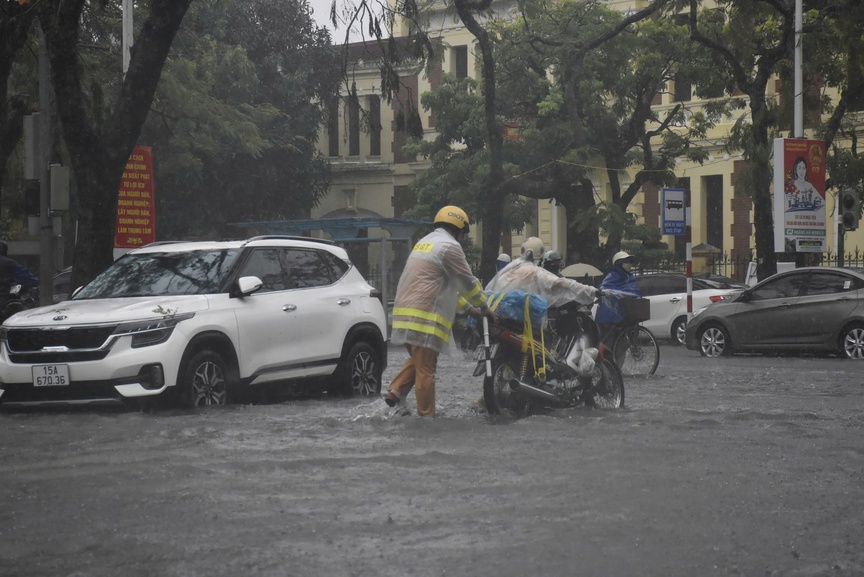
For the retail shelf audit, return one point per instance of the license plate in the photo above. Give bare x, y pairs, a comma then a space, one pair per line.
480, 352
50, 375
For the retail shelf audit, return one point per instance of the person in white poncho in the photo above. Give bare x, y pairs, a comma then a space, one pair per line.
526, 274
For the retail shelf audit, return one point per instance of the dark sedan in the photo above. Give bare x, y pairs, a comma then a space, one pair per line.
819, 309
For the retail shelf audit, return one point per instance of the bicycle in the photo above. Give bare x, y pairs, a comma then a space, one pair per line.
634, 348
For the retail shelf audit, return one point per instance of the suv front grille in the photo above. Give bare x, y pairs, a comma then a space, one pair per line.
81, 338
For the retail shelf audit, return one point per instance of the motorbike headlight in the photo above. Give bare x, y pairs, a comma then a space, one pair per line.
151, 332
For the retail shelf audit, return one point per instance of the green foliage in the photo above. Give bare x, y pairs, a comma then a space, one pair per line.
235, 121
460, 166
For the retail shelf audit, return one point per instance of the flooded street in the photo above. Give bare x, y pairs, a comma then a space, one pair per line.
748, 465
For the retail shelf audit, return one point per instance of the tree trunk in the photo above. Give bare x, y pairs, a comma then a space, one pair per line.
15, 23
763, 219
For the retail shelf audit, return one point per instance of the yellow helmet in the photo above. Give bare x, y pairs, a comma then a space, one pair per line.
452, 215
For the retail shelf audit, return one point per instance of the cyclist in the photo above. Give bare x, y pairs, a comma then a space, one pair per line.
620, 278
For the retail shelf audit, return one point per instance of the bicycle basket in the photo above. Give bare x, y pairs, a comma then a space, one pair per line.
636, 310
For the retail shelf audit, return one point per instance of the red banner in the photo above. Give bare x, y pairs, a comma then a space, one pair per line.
136, 208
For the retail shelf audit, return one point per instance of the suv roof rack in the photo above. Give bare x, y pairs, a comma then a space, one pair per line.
289, 237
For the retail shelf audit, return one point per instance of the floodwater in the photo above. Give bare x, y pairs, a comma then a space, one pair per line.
737, 466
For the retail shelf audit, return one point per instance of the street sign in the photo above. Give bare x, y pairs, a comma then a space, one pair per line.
673, 211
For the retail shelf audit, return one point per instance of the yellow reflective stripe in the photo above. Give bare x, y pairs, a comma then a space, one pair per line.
475, 292
421, 328
434, 317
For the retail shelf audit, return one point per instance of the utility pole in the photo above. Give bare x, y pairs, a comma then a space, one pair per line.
799, 62
46, 229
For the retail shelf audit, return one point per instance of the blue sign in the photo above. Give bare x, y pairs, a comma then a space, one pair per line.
673, 209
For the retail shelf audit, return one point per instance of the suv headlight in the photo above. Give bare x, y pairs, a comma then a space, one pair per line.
152, 332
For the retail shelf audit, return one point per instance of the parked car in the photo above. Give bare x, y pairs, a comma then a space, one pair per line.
667, 292
202, 323
805, 309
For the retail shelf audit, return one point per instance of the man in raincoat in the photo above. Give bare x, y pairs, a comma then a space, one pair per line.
435, 275
526, 274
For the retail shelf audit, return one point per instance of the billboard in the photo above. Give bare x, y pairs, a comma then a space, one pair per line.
800, 223
136, 208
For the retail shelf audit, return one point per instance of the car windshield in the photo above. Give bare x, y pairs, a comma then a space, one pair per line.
166, 273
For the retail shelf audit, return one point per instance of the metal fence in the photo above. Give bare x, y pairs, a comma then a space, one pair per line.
737, 267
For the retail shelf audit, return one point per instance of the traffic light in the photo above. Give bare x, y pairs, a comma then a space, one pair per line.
849, 200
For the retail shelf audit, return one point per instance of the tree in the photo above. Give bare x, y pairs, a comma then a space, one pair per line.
100, 129
608, 67
752, 40
610, 108
236, 117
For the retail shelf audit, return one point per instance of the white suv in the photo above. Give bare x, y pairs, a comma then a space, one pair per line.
203, 322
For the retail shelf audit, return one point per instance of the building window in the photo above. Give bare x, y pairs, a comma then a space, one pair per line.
375, 126
683, 89
333, 129
713, 186
353, 127
460, 61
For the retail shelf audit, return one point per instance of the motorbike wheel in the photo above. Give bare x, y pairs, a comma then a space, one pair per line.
608, 385
500, 398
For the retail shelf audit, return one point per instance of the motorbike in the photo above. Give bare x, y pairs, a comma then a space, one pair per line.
523, 375
20, 298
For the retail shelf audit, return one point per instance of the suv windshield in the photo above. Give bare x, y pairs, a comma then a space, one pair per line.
166, 273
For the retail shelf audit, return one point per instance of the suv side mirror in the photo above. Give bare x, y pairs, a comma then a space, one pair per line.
246, 285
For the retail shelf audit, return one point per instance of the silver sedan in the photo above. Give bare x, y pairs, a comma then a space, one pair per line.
817, 309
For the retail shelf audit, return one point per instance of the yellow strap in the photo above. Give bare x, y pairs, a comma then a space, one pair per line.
539, 373
495, 300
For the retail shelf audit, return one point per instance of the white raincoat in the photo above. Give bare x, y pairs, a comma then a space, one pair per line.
524, 275
435, 275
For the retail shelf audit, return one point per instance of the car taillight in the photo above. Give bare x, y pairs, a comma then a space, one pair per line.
717, 298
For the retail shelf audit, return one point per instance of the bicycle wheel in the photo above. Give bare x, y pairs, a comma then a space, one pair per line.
636, 352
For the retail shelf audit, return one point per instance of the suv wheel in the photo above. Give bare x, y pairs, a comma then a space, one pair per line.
204, 381
360, 372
